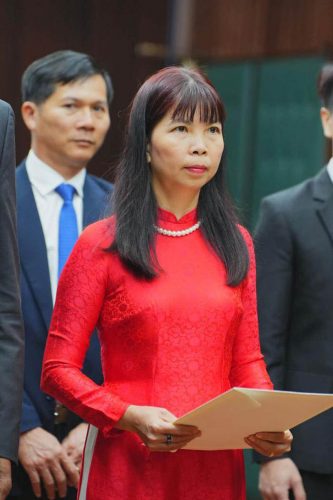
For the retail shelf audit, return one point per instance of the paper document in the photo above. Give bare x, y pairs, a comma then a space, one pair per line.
225, 420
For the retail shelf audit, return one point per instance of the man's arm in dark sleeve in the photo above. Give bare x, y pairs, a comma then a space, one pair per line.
11, 327
274, 254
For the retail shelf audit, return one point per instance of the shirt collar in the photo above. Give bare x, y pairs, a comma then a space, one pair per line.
330, 169
45, 179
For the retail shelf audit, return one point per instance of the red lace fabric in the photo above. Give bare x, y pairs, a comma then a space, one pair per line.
174, 342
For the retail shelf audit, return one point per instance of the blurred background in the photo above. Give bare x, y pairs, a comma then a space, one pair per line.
262, 55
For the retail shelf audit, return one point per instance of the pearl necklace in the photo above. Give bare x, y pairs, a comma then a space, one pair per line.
182, 232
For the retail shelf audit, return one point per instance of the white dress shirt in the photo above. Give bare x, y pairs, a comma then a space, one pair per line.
44, 180
330, 169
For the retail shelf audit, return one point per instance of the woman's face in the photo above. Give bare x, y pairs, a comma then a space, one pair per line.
184, 155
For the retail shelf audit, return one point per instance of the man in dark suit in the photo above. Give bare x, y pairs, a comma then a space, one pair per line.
11, 328
66, 99
294, 246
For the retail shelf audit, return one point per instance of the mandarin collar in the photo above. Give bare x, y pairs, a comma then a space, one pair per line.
167, 216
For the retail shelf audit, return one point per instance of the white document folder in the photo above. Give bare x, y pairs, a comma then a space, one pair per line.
227, 419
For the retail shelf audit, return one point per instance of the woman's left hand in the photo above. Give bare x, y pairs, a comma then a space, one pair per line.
270, 444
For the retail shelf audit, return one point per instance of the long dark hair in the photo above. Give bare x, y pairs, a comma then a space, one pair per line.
184, 90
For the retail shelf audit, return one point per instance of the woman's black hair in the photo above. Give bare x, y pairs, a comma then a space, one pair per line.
184, 91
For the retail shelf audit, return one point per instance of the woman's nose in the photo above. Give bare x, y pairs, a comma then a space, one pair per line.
198, 146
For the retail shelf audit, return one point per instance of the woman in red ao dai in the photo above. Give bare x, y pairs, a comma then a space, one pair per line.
169, 281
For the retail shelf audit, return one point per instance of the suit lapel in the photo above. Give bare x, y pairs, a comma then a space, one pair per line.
323, 198
31, 242
31, 237
94, 202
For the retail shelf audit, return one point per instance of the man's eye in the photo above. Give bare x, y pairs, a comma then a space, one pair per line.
100, 109
69, 105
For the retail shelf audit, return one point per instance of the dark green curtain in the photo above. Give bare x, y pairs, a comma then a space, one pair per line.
273, 133
273, 139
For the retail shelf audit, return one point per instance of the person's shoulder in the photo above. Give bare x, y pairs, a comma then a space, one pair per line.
20, 167
294, 196
5, 113
246, 235
104, 185
22, 180
100, 234
244, 232
5, 107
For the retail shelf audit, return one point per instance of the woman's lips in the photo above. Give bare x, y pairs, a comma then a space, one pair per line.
196, 169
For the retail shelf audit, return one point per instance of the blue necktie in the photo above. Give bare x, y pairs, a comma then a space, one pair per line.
68, 231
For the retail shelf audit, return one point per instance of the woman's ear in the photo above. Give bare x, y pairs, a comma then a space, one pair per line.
148, 154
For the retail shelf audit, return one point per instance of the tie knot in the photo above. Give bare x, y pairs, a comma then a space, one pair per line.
66, 191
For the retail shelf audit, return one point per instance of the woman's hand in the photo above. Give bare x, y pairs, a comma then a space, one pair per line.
271, 444
156, 428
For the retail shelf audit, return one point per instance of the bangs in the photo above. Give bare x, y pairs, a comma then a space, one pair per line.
181, 92
202, 98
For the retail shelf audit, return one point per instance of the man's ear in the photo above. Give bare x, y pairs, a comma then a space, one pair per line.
327, 122
29, 111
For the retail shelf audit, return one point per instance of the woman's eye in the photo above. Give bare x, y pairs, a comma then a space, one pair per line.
181, 128
214, 130
69, 105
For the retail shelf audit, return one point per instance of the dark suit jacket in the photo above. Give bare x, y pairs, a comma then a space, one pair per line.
294, 246
11, 330
38, 407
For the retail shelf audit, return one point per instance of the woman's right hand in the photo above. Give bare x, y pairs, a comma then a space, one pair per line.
156, 428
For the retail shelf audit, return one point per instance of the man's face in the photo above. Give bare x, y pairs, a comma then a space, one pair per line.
70, 126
